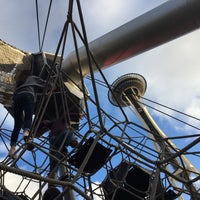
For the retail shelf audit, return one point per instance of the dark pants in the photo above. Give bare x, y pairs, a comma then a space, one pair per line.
23, 103
58, 147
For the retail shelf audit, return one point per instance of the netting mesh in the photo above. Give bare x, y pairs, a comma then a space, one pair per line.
117, 157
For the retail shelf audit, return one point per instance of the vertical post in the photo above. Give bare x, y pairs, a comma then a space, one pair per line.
69, 194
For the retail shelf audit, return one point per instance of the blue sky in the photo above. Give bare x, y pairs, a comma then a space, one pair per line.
171, 70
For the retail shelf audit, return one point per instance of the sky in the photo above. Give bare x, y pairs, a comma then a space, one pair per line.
176, 61
171, 70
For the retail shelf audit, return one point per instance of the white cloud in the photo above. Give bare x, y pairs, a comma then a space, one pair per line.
13, 181
104, 16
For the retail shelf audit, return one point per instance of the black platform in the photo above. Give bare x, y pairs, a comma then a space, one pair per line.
96, 160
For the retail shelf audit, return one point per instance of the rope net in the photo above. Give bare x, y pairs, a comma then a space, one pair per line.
116, 156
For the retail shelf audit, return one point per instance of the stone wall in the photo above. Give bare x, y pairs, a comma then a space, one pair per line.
14, 64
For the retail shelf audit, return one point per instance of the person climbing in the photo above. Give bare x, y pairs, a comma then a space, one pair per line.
24, 100
60, 137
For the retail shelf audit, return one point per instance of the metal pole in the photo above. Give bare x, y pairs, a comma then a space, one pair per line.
69, 194
158, 26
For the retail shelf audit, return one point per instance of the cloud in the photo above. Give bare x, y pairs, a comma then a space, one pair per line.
171, 70
104, 16
17, 183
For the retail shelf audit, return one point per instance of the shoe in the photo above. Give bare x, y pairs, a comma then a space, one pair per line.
25, 138
30, 146
29, 143
29, 140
